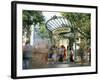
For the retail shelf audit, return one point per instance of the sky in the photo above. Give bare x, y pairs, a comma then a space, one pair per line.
48, 15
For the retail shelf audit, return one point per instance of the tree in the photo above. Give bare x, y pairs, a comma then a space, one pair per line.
31, 18
43, 33
80, 21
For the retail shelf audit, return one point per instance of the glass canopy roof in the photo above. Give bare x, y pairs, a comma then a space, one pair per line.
61, 26
58, 23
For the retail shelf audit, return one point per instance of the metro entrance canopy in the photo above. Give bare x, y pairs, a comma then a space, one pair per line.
59, 25
62, 26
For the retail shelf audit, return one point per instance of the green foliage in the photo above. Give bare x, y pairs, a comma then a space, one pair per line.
31, 18
43, 32
81, 21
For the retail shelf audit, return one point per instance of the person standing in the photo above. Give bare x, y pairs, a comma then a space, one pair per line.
27, 55
54, 56
81, 50
64, 53
61, 53
71, 55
